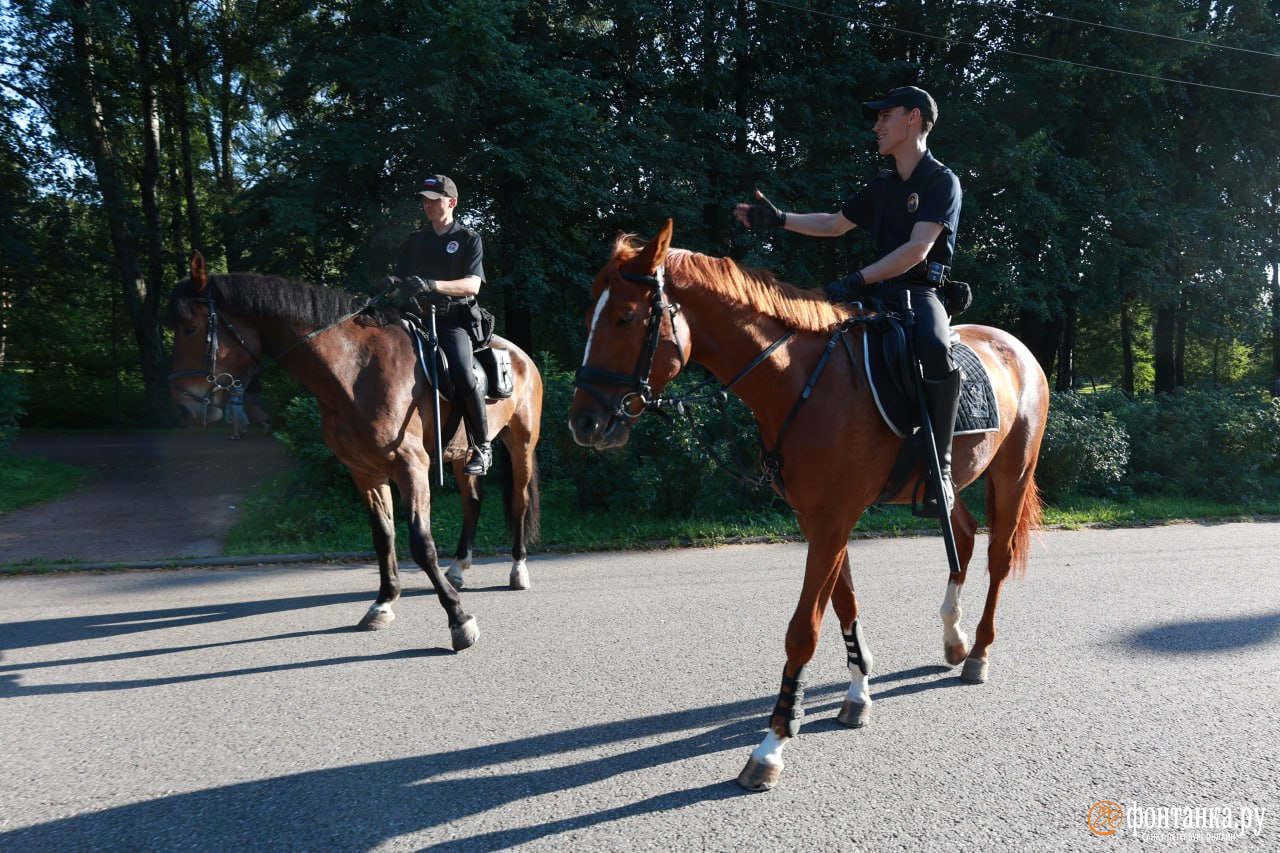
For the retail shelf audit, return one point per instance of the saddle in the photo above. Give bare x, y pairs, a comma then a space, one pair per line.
886, 361
892, 377
491, 365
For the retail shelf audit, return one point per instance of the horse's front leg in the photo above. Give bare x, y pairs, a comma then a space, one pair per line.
415, 486
377, 501
822, 568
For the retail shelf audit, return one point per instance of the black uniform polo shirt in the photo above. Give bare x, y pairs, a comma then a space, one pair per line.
931, 194
455, 254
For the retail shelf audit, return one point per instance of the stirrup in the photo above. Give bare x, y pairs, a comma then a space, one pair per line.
481, 459
929, 502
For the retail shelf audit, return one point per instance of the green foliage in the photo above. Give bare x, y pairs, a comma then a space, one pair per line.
1085, 449
27, 480
12, 397
1195, 443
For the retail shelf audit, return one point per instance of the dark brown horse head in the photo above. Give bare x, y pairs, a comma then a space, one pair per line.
209, 359
635, 344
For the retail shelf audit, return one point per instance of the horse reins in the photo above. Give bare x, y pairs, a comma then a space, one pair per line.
225, 381
587, 378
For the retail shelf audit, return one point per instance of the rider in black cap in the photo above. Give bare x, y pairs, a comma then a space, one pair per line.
913, 211
447, 259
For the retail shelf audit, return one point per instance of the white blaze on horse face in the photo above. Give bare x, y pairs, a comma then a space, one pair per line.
595, 321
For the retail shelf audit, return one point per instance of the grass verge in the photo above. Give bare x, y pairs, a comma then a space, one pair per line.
27, 480
287, 516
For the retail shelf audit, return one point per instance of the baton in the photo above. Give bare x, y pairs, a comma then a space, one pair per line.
435, 390
935, 465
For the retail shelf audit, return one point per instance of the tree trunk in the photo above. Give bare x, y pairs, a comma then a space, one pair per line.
126, 263
155, 374
1042, 338
1275, 329
1165, 344
1066, 353
1126, 349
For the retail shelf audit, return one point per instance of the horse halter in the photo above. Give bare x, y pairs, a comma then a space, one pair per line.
641, 392
217, 381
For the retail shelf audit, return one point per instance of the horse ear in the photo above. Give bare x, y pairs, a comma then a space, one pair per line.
199, 274
654, 253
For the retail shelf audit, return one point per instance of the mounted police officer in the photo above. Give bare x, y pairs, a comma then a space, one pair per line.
913, 211
443, 264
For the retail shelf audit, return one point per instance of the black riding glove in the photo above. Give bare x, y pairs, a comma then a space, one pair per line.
847, 289
417, 286
763, 214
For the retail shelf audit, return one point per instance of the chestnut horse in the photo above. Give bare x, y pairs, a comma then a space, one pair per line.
375, 408
764, 339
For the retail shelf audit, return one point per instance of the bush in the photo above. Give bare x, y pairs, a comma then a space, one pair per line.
13, 395
1194, 443
665, 467
1085, 448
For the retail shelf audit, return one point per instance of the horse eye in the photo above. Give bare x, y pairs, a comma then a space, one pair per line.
626, 318
189, 330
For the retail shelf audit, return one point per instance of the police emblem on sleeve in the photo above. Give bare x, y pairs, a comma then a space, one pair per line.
913, 202
452, 247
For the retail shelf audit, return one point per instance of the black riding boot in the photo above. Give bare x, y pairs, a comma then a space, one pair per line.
473, 412
942, 396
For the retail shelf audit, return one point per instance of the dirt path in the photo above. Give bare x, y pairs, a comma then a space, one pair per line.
149, 496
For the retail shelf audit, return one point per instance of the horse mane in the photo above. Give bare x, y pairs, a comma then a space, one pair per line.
759, 289
269, 296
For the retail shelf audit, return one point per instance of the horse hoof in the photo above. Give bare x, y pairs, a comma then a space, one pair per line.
974, 672
454, 577
376, 620
465, 634
855, 715
759, 777
954, 653
520, 576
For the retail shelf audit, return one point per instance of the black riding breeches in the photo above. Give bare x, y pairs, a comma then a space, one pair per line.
456, 344
933, 327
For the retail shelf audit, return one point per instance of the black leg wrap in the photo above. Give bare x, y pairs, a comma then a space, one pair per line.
790, 704
856, 645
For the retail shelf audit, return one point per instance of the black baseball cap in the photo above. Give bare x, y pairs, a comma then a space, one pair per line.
438, 186
910, 97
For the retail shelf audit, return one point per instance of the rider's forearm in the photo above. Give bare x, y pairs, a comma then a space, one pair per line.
818, 224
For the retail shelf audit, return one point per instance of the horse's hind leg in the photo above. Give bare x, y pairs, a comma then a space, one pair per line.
471, 490
520, 494
377, 500
955, 645
1013, 507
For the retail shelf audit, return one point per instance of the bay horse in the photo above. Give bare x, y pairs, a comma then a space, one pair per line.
832, 455
375, 407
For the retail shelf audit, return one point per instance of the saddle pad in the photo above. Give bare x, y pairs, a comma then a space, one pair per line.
978, 410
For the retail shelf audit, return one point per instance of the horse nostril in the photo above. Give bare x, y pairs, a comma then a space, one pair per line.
584, 424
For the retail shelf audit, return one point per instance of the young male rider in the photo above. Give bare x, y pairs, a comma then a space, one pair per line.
444, 263
913, 211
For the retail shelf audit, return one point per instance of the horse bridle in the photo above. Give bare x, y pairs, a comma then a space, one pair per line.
225, 381
217, 381
639, 398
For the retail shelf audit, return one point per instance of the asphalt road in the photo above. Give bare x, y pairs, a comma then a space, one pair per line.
611, 707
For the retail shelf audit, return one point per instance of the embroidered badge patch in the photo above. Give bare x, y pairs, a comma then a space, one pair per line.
913, 202
452, 247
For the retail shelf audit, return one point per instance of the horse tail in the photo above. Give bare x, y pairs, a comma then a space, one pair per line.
533, 515
1030, 517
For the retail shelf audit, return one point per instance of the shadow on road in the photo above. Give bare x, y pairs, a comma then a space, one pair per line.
1205, 636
